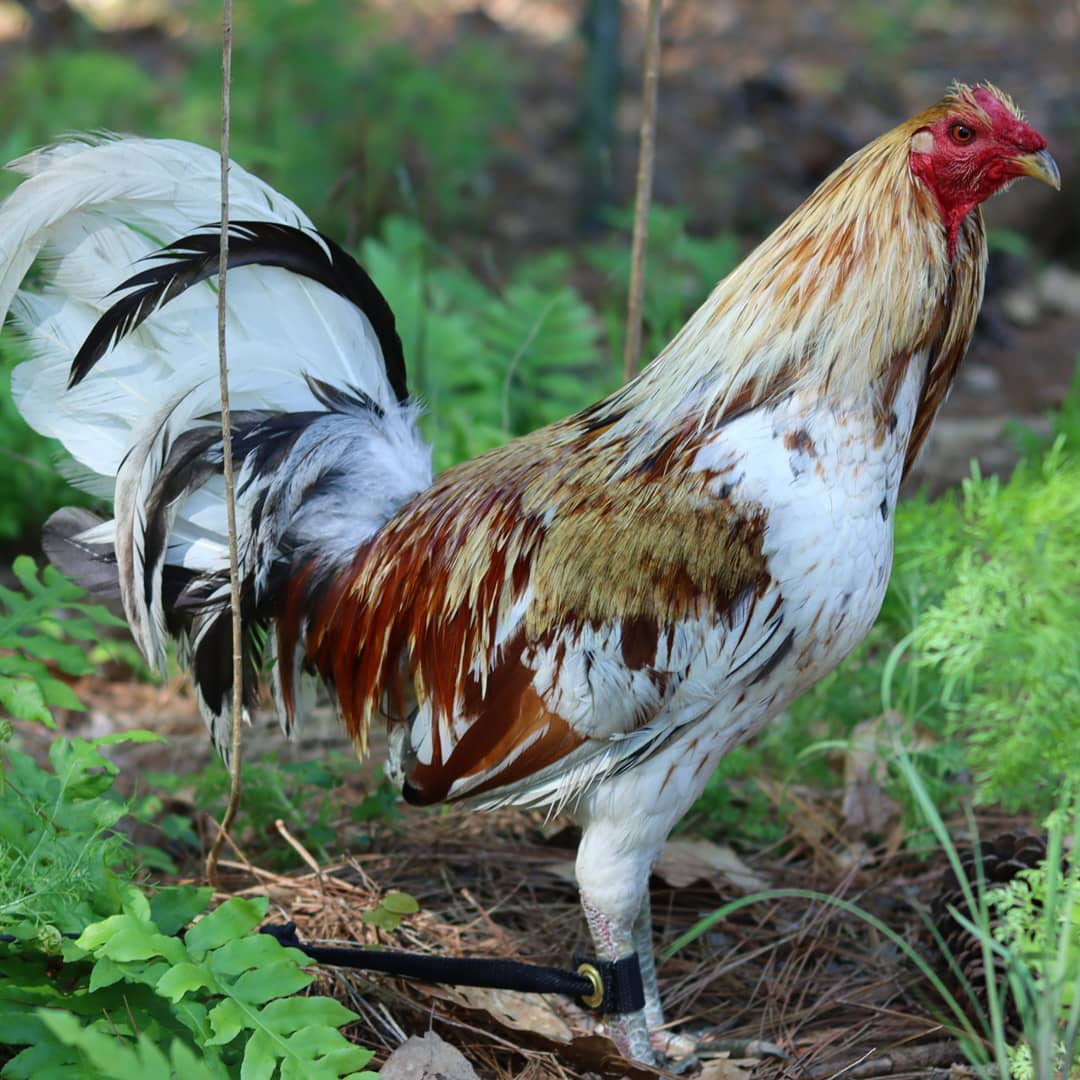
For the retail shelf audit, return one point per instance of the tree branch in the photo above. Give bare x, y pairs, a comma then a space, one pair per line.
643, 197
227, 464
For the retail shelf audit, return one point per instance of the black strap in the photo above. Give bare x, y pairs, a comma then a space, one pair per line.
622, 982
621, 979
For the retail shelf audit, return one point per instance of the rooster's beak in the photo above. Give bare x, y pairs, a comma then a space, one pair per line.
1041, 166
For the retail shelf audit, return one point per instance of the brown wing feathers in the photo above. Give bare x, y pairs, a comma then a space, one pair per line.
423, 602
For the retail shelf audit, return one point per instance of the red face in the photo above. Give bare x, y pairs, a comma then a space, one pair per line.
970, 152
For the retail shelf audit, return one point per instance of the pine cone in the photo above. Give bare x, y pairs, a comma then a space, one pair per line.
1002, 859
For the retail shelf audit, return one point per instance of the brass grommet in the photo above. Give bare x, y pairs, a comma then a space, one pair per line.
596, 998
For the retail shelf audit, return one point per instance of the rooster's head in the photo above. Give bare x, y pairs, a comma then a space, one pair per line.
972, 144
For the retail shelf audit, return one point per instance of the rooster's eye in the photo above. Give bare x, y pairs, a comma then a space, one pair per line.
961, 133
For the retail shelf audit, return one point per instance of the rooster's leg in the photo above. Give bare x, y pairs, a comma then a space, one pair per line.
669, 1045
613, 939
675, 1048
643, 946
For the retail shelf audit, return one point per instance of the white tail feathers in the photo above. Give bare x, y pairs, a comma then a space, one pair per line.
326, 447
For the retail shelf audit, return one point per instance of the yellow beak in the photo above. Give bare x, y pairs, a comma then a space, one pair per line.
1039, 166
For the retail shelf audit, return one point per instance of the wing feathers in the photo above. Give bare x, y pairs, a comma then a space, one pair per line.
70, 544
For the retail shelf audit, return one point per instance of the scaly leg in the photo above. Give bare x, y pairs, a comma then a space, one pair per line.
670, 1046
613, 939
643, 946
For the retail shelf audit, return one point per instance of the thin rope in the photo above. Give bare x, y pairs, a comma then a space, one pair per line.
226, 449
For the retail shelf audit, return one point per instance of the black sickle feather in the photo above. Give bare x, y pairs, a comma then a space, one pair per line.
263, 243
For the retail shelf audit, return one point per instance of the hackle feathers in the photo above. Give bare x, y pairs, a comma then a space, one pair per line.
852, 279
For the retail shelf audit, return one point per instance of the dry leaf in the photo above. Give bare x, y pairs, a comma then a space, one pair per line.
866, 806
511, 1009
595, 1055
722, 1069
537, 1017
427, 1058
685, 861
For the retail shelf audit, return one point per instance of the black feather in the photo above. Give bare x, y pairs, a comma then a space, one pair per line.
212, 665
350, 400
195, 258
186, 469
261, 443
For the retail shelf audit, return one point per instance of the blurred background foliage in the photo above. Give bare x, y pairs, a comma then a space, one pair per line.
479, 158
328, 105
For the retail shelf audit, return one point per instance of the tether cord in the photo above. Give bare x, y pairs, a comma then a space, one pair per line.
621, 979
612, 986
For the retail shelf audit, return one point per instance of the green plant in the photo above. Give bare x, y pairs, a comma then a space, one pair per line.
326, 107
1036, 920
30, 486
681, 270
221, 1001
61, 865
42, 631
49, 94
1022, 908
301, 794
430, 127
733, 800
343, 119
126, 995
127, 991
489, 364
1002, 638
306, 796
1033, 932
393, 908
495, 362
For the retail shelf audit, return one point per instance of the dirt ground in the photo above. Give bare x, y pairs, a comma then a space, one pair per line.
824, 985
758, 102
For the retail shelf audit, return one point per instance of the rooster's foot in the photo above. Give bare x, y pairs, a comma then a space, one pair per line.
684, 1051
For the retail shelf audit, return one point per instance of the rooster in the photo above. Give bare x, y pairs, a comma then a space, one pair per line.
586, 618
